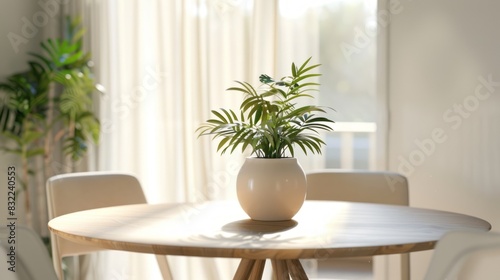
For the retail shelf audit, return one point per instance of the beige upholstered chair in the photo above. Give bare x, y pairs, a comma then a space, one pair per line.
453, 250
357, 186
73, 192
32, 258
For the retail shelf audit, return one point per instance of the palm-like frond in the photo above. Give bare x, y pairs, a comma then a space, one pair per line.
88, 129
270, 122
24, 96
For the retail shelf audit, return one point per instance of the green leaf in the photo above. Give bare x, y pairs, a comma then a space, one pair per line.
12, 151
228, 115
294, 70
308, 69
220, 116
222, 143
30, 136
304, 64
300, 78
35, 152
258, 114
238, 89
252, 102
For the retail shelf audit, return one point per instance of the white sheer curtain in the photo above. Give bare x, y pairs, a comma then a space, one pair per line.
165, 65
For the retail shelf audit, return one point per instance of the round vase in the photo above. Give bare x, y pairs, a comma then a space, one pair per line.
271, 189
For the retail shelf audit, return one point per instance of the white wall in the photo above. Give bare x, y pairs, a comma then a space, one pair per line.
444, 125
22, 22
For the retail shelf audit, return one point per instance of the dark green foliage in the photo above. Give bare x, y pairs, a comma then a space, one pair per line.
53, 96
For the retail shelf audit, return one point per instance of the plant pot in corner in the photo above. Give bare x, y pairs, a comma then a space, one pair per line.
271, 189
271, 186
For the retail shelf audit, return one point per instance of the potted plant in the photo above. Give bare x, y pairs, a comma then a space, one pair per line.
47, 111
271, 185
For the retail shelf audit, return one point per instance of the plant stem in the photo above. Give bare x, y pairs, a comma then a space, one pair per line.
48, 137
25, 182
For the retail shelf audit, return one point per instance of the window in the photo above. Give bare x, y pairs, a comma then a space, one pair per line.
348, 54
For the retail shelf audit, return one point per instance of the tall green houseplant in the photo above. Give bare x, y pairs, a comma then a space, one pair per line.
47, 109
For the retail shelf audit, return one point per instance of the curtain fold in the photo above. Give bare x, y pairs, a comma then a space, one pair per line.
165, 65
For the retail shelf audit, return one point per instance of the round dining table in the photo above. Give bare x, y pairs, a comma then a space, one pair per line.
321, 229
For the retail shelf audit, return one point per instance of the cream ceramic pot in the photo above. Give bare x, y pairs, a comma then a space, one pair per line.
271, 189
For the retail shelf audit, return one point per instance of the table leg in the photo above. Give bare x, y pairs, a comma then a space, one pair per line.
244, 269
164, 267
257, 270
296, 270
280, 270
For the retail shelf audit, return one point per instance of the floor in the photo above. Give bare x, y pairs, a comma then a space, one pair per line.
345, 269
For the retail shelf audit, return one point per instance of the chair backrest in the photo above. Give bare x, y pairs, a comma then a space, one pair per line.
32, 260
73, 192
361, 186
454, 248
358, 186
